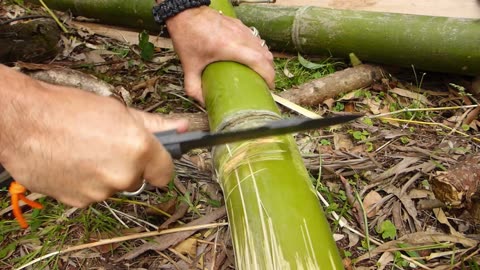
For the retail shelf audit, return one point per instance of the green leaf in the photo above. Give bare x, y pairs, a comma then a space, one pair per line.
325, 142
367, 121
465, 127
307, 64
388, 230
357, 135
369, 146
404, 139
339, 107
147, 48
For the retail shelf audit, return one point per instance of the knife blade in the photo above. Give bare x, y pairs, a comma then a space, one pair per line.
180, 143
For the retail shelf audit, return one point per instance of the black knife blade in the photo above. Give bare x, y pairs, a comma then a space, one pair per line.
180, 143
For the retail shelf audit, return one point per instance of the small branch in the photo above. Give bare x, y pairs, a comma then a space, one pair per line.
316, 91
54, 17
123, 239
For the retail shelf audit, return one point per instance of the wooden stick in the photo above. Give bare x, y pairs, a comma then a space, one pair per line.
317, 91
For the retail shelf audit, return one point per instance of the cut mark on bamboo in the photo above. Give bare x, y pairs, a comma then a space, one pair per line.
296, 28
249, 151
235, 121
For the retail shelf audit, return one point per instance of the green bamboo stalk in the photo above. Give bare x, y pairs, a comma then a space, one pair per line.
136, 14
275, 217
431, 43
426, 42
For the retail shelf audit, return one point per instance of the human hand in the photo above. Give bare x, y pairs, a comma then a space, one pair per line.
202, 36
75, 146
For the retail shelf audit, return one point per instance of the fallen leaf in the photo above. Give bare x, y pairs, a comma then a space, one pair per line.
421, 239
353, 238
187, 247
373, 105
127, 98
342, 142
337, 237
370, 203
411, 95
329, 102
385, 259
287, 72
442, 218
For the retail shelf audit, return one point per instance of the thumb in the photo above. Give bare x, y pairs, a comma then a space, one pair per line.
155, 123
193, 85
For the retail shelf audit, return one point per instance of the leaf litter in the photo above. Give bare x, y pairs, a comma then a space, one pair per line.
373, 184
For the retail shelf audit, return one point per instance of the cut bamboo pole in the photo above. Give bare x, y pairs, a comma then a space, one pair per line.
430, 43
275, 217
426, 42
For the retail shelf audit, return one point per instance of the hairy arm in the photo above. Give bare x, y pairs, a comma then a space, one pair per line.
75, 146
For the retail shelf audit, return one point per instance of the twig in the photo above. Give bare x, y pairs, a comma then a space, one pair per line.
135, 220
115, 215
142, 204
28, 17
423, 109
431, 124
54, 17
123, 239
355, 203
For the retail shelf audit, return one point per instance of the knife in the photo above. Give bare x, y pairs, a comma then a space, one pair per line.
180, 143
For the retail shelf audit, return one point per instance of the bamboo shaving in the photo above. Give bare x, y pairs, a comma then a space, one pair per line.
294, 107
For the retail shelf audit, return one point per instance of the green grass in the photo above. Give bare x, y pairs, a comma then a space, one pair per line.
297, 70
50, 230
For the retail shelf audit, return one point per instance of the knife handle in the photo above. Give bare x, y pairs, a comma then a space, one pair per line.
169, 141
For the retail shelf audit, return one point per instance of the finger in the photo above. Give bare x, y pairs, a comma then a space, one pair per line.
159, 168
155, 123
193, 85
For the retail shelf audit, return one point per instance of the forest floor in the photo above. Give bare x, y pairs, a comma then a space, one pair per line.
375, 177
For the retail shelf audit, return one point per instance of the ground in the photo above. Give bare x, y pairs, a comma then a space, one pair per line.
374, 177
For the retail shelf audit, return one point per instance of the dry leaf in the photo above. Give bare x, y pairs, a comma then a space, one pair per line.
353, 238
373, 105
422, 239
342, 142
370, 201
411, 95
187, 247
287, 72
337, 237
329, 102
384, 260
442, 218
127, 98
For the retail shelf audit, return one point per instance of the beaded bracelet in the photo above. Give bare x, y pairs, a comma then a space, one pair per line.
170, 8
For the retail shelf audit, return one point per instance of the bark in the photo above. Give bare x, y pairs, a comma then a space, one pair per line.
30, 41
316, 91
196, 121
460, 184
